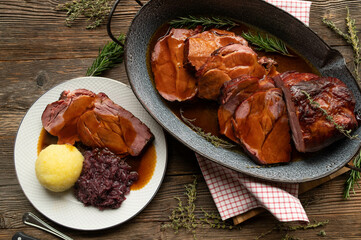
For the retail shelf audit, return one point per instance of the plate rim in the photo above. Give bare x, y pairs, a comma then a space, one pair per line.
155, 190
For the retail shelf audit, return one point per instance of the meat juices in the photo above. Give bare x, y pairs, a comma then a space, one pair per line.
96, 121
311, 130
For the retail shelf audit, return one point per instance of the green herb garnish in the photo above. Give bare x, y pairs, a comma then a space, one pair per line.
353, 178
286, 228
216, 141
108, 57
351, 38
206, 22
340, 128
183, 216
266, 43
96, 11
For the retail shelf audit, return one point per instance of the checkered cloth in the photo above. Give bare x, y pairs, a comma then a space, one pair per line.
235, 193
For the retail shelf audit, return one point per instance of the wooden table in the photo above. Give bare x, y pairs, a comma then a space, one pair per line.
38, 51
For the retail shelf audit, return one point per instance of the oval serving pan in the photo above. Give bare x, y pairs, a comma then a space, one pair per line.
269, 18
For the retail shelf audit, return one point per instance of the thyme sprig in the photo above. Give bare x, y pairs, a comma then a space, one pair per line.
206, 22
216, 141
108, 57
353, 178
266, 43
351, 38
95, 11
287, 228
340, 128
183, 216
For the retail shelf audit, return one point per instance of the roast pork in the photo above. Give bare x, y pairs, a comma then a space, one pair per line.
311, 129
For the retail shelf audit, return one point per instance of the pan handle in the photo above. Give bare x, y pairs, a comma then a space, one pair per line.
353, 167
110, 21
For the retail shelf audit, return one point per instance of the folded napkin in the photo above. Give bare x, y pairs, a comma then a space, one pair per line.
235, 193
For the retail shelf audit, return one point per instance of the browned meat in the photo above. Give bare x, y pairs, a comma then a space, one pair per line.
200, 46
96, 121
261, 125
225, 64
60, 118
233, 93
172, 80
109, 125
310, 128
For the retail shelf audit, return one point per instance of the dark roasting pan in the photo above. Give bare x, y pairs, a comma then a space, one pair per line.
269, 18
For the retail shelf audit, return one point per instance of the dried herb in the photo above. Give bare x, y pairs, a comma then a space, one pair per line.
96, 11
340, 128
351, 38
216, 141
206, 22
108, 57
287, 228
183, 216
353, 178
266, 43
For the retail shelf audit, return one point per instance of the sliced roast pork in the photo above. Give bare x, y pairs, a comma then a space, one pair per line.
261, 126
233, 93
96, 121
109, 125
200, 46
311, 129
225, 64
60, 118
172, 80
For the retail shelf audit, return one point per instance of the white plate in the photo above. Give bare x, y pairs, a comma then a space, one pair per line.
64, 208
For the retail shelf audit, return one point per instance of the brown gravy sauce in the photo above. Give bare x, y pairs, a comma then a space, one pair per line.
204, 112
144, 165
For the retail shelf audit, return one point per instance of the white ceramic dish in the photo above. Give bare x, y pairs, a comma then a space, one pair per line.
64, 208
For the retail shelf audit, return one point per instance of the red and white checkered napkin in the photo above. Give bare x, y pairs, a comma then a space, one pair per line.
235, 193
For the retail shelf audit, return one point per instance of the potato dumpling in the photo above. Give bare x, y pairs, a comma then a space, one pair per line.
58, 167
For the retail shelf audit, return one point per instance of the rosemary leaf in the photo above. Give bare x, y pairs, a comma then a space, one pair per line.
353, 178
340, 128
206, 22
216, 141
266, 43
351, 38
108, 57
95, 11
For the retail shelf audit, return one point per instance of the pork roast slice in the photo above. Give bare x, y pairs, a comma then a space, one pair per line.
109, 125
311, 130
172, 80
200, 46
233, 93
261, 126
60, 118
96, 121
224, 64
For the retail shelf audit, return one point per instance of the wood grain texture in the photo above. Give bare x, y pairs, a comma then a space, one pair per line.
37, 51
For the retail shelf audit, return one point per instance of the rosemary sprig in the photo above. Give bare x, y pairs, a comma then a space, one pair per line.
108, 57
353, 178
351, 38
96, 11
266, 43
206, 22
340, 128
216, 141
